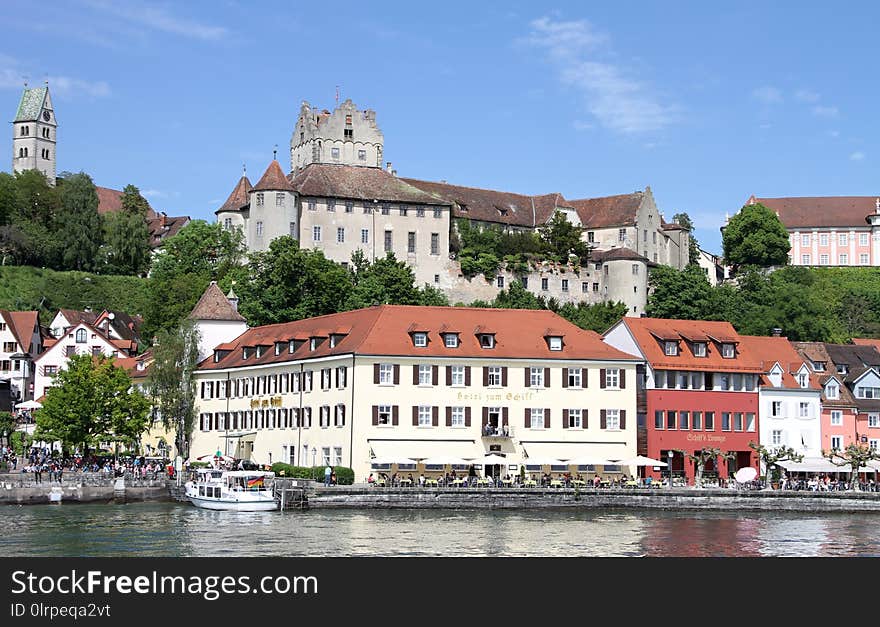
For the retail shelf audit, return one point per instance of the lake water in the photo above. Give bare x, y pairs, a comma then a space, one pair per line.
172, 529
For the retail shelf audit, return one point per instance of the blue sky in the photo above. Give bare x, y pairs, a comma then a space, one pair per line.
706, 103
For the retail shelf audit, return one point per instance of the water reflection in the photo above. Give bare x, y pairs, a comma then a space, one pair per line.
163, 529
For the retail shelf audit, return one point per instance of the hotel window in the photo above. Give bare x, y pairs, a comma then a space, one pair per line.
420, 340
450, 340
842, 239
671, 419
325, 450
684, 420
386, 209
658, 419
585, 287
536, 377
725, 421
536, 418
696, 380
493, 376
564, 285
842, 259
487, 340
750, 421
738, 421
10, 347
823, 260
420, 212
684, 380
872, 444
670, 347
81, 336
874, 420
313, 206
612, 377
776, 409
696, 420
555, 343
324, 416
349, 206
279, 199
621, 235
458, 416
403, 210
863, 239
805, 260
727, 351
836, 442
386, 374
389, 241
438, 212
805, 240
340, 235
591, 237
337, 455
776, 437
710, 421
499, 281
836, 418
803, 410
384, 414
823, 239
457, 374
334, 153
574, 418
595, 287
425, 374
575, 376
699, 349
365, 236
545, 284
411, 242
326, 378
612, 419
316, 233
832, 391
435, 244
259, 199
331, 204
863, 259
424, 415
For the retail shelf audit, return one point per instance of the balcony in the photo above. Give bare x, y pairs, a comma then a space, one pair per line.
493, 431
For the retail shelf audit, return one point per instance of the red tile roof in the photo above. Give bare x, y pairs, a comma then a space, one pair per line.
358, 183
821, 211
489, 205
273, 179
617, 254
608, 211
863, 341
159, 224
385, 330
772, 350
646, 331
22, 324
213, 305
238, 199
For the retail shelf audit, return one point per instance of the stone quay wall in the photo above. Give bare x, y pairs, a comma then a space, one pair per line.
22, 489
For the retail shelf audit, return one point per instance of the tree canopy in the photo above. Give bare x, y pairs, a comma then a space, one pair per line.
127, 238
755, 236
693, 247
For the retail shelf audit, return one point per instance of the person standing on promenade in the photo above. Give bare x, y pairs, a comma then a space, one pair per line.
327, 473
38, 473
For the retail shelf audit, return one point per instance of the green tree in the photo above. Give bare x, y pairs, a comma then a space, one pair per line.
562, 239
34, 220
596, 317
92, 400
700, 458
855, 456
755, 236
171, 384
79, 224
8, 197
684, 220
287, 283
771, 456
387, 281
682, 294
127, 235
518, 297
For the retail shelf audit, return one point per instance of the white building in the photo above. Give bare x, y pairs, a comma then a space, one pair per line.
21, 342
217, 319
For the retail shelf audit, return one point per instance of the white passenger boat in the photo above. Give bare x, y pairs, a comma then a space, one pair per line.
235, 490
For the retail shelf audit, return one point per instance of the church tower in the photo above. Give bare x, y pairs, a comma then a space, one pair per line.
347, 136
34, 133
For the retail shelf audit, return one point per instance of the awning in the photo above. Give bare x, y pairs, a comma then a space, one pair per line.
572, 450
246, 436
815, 464
422, 449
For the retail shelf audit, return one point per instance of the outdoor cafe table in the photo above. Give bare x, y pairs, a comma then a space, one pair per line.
530, 483
459, 482
431, 483
507, 481
556, 483
405, 483
484, 483
578, 483
632, 484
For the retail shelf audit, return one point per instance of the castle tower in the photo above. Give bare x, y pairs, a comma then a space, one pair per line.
34, 133
347, 137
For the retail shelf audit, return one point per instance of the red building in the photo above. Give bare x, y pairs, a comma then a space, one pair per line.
699, 390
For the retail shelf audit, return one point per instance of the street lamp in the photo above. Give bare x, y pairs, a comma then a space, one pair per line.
669, 461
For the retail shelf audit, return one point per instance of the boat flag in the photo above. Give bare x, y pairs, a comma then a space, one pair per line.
255, 482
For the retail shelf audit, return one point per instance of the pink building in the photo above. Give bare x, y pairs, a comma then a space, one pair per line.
829, 230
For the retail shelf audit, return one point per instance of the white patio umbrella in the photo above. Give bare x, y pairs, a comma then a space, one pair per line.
442, 460
400, 461
29, 405
586, 460
641, 460
492, 460
543, 461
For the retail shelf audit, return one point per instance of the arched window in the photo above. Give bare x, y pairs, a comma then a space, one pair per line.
21, 152
81, 336
25, 152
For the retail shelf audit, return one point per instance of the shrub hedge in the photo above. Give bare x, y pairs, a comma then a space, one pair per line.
344, 475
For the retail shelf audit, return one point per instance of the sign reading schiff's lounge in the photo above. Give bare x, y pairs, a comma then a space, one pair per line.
705, 437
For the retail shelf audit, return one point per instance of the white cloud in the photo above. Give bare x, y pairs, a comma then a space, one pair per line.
158, 19
826, 112
12, 76
806, 95
618, 102
153, 193
767, 95
857, 156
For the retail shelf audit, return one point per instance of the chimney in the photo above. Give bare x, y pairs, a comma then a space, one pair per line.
776, 332
877, 205
233, 299
388, 166
393, 172
162, 219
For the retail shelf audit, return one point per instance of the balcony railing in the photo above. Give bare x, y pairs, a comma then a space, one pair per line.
494, 431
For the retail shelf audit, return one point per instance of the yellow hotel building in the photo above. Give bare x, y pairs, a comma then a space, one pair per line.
396, 382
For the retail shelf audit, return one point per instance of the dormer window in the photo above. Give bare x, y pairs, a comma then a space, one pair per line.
555, 342
727, 350
670, 347
450, 340
420, 339
803, 379
699, 349
818, 366
487, 340
245, 352
832, 391
313, 343
279, 346
260, 350
842, 369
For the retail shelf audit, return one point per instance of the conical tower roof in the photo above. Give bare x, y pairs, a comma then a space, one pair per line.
238, 199
273, 179
213, 305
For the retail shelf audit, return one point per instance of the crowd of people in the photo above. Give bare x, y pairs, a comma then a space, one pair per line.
48, 464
